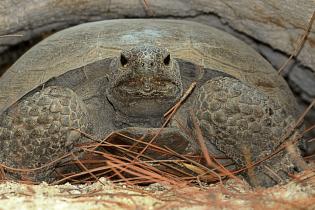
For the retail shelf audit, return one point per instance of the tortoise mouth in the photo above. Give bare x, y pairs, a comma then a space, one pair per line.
140, 89
141, 99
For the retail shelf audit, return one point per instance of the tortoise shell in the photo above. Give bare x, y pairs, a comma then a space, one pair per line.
190, 41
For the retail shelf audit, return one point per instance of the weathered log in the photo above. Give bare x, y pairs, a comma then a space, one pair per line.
276, 23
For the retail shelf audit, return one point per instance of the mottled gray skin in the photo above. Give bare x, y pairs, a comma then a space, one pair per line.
143, 83
244, 123
37, 130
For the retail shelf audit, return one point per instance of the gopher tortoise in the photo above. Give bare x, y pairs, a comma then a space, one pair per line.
102, 76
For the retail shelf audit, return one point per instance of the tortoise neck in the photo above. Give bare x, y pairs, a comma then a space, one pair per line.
122, 121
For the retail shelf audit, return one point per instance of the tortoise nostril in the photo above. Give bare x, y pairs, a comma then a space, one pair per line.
147, 87
151, 64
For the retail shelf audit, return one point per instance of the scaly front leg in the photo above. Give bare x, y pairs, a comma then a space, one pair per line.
37, 130
245, 124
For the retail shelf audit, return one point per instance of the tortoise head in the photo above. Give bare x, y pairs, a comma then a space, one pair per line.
145, 81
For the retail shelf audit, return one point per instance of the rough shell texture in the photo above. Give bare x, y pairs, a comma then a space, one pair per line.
86, 43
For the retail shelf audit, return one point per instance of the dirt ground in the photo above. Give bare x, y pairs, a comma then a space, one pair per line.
298, 194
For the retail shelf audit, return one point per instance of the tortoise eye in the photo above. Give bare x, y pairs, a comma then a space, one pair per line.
123, 60
167, 59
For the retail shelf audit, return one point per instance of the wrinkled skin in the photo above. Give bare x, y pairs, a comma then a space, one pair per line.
144, 83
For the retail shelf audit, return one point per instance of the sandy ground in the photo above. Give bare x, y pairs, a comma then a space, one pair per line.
106, 195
